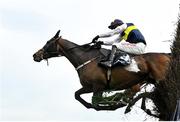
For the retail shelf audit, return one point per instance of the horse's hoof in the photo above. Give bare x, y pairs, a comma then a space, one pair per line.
127, 110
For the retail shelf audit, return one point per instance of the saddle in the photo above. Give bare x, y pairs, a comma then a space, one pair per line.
121, 58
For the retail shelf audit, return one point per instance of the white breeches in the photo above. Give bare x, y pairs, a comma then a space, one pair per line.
138, 48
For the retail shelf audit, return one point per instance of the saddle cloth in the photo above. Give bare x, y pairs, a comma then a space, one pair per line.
121, 58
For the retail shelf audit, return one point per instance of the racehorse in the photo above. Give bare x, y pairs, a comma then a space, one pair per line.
150, 67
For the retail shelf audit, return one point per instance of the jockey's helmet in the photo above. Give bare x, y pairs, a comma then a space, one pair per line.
115, 23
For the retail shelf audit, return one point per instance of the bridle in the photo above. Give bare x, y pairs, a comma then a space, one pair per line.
54, 52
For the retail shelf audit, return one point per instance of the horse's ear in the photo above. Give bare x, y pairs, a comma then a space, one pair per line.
57, 34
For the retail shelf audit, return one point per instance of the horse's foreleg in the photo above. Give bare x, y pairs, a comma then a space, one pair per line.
78, 97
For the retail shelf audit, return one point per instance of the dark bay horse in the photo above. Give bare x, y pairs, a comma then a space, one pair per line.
150, 67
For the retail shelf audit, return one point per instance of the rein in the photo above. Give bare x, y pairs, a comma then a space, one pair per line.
77, 47
81, 65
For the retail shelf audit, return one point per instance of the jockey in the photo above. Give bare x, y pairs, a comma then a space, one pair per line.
129, 40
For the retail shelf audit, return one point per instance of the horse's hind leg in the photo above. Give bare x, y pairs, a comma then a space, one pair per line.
78, 97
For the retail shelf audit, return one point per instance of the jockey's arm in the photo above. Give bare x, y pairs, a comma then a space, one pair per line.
111, 42
116, 31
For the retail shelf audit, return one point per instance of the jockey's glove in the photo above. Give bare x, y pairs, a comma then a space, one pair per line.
95, 39
99, 43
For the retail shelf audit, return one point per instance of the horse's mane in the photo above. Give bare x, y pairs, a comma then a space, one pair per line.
86, 46
95, 50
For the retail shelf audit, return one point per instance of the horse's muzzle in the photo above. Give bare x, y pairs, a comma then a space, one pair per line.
37, 58
39, 55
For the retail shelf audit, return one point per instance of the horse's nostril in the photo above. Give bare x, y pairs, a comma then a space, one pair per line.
37, 59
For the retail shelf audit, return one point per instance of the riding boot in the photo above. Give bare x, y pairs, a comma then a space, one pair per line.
109, 62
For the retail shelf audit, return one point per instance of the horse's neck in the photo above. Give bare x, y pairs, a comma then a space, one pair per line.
74, 53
